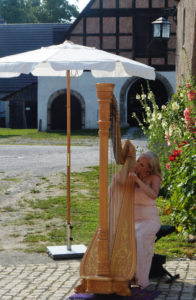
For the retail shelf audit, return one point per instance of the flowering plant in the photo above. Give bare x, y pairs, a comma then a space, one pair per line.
171, 132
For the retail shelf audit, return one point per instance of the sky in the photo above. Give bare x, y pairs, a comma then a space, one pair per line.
80, 3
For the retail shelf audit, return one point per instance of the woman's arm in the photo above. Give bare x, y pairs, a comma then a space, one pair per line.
151, 190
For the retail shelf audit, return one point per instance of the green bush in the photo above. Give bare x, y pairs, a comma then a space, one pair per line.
171, 132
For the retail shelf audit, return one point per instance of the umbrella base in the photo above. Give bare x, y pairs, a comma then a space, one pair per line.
61, 252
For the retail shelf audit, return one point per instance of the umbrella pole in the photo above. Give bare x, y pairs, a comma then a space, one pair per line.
76, 251
68, 160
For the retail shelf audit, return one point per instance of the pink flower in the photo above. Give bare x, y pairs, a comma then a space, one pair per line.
189, 120
187, 112
167, 166
191, 95
187, 116
188, 85
167, 138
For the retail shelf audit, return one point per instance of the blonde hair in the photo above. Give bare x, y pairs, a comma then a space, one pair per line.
154, 163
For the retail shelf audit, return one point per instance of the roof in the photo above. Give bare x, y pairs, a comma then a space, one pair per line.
18, 38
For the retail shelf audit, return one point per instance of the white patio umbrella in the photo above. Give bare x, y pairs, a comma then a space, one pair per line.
55, 60
69, 59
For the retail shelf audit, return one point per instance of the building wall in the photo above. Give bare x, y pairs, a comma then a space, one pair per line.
186, 38
124, 27
85, 87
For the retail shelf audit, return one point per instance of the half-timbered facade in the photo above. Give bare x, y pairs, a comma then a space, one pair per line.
122, 27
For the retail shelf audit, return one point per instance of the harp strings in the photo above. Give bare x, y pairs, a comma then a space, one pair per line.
112, 180
116, 191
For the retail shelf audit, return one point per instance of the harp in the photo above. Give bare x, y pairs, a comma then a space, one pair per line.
110, 260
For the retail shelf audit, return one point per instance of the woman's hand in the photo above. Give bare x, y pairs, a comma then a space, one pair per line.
133, 177
151, 189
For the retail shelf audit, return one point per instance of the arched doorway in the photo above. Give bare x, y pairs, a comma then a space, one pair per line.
57, 111
133, 105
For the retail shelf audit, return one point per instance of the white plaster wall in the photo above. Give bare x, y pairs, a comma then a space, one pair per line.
171, 77
85, 85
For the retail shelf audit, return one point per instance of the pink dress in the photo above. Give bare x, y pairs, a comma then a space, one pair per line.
147, 223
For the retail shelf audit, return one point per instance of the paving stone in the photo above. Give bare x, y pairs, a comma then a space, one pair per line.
57, 281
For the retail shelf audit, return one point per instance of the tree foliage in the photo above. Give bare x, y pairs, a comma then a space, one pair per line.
34, 11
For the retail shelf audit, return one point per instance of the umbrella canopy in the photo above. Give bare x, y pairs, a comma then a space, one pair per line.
55, 60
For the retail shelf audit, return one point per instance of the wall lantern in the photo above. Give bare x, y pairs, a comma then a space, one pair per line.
161, 28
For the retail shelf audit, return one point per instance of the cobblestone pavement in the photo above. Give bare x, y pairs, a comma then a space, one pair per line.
56, 280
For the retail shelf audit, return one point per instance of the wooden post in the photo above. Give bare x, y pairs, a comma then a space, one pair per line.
104, 94
68, 161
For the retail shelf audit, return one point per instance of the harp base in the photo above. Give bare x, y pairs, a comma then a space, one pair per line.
62, 252
103, 285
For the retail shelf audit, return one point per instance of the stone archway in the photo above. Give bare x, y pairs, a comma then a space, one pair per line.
128, 103
57, 111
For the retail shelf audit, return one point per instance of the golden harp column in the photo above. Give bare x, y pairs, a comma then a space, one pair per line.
104, 95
